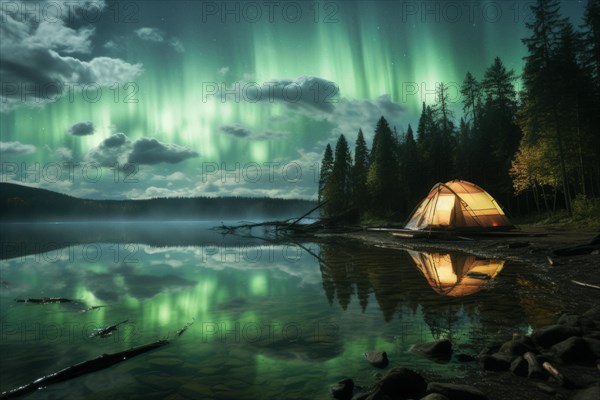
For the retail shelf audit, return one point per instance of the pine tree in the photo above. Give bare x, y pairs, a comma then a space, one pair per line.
540, 78
471, 94
360, 170
325, 173
382, 178
339, 188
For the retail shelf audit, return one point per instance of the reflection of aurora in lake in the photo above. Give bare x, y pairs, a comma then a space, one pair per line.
269, 320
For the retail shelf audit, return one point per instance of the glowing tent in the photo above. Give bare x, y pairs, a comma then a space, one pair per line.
456, 275
458, 205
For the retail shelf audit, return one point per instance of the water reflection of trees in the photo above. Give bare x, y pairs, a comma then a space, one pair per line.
393, 279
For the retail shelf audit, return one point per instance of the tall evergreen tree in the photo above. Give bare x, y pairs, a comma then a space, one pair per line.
541, 108
339, 185
382, 178
325, 173
471, 95
360, 170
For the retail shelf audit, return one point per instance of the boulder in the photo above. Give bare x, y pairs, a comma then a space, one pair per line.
377, 358
343, 389
496, 362
439, 350
573, 349
402, 383
456, 392
591, 393
550, 335
593, 313
515, 348
593, 346
519, 367
434, 396
534, 369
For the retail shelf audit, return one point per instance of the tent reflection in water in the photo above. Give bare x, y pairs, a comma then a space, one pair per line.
456, 275
458, 205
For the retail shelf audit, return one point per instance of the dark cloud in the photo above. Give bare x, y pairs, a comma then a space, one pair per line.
112, 150
82, 128
308, 93
235, 130
150, 151
271, 135
245, 133
389, 108
16, 148
39, 56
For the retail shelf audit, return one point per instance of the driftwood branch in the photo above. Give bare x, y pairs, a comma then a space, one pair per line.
586, 284
86, 367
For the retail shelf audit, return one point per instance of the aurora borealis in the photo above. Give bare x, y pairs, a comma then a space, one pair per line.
226, 98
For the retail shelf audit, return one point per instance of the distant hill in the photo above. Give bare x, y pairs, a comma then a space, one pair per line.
24, 203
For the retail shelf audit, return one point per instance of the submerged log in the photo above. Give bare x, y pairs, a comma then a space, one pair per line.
45, 300
180, 331
106, 332
86, 367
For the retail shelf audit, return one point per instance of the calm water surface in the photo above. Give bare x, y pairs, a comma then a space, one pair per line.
270, 321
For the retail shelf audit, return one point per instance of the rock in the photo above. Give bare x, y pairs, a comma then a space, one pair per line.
515, 348
496, 362
434, 396
456, 392
534, 369
550, 335
593, 346
546, 388
571, 350
489, 350
587, 325
464, 357
593, 313
591, 393
440, 350
377, 358
519, 367
402, 383
593, 335
343, 389
362, 396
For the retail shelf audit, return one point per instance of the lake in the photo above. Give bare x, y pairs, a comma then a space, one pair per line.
269, 320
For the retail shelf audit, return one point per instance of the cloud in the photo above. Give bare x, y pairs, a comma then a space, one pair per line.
150, 151
223, 71
82, 128
307, 93
38, 55
271, 135
156, 35
235, 130
112, 150
16, 148
245, 133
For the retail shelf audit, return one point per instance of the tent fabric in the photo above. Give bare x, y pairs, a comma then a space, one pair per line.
458, 205
456, 275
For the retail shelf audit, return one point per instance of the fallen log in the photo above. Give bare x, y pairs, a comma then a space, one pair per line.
180, 331
106, 332
45, 300
86, 367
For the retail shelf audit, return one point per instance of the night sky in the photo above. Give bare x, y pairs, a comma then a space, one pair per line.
185, 89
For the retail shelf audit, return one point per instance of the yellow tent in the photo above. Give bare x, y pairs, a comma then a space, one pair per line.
458, 205
456, 275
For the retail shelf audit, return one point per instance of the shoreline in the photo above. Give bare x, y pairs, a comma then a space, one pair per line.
533, 249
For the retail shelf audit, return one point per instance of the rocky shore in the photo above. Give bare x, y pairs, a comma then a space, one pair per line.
558, 361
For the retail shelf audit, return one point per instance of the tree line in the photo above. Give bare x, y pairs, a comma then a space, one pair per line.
533, 150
